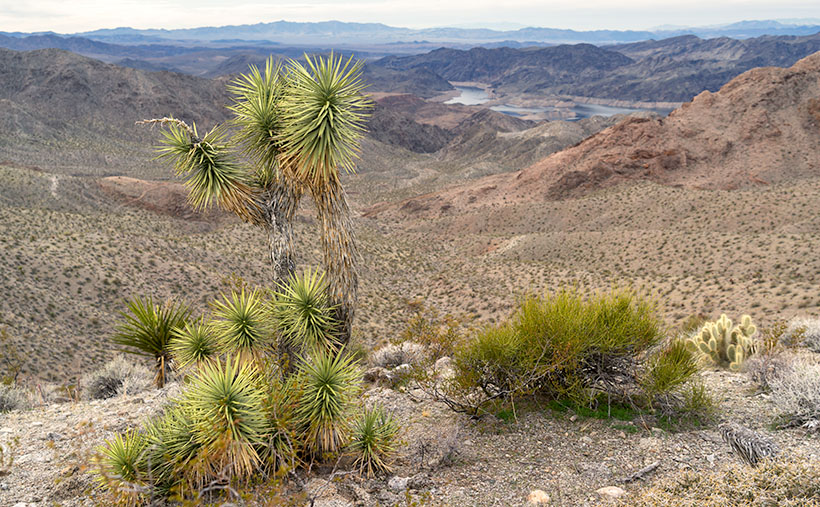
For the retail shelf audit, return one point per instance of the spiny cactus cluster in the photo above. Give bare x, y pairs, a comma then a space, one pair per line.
723, 343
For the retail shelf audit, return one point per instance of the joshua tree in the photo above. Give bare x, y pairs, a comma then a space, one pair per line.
299, 125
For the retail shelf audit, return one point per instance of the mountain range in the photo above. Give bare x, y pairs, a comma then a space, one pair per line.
344, 33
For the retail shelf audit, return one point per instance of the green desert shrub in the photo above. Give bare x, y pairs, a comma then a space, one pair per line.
559, 342
118, 376
668, 369
147, 329
193, 344
12, 397
374, 441
330, 385
240, 323
564, 346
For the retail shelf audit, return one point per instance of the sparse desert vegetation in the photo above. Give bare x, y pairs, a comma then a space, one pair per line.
510, 345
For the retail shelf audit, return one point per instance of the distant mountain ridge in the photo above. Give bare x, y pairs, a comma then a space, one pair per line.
668, 70
344, 32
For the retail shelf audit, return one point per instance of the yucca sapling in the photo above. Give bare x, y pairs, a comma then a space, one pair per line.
330, 384
374, 440
121, 462
225, 400
193, 344
240, 323
303, 314
148, 329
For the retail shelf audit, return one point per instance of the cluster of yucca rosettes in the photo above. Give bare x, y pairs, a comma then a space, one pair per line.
725, 344
244, 410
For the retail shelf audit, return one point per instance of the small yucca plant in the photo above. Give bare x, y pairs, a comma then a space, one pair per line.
330, 384
170, 449
240, 323
303, 314
282, 443
148, 328
373, 440
120, 462
226, 403
193, 344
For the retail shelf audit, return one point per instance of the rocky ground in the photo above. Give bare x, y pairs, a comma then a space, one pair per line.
446, 459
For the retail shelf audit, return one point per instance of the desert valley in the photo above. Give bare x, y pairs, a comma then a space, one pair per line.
484, 179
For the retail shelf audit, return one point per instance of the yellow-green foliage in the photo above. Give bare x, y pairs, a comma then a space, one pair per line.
669, 368
552, 342
725, 344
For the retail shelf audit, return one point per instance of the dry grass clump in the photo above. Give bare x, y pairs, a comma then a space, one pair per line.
782, 482
118, 376
391, 355
806, 331
795, 392
12, 397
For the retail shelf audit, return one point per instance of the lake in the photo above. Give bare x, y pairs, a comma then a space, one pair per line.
473, 96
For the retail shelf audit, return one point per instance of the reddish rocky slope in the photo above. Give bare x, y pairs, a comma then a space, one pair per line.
763, 127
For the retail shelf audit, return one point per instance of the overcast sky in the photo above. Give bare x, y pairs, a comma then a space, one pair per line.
68, 16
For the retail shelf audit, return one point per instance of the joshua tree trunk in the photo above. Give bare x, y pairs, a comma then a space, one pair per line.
340, 253
281, 200
280, 203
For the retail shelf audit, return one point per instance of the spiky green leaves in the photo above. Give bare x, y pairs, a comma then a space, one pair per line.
193, 344
303, 313
120, 464
148, 329
374, 440
258, 116
330, 385
225, 401
324, 118
171, 448
240, 322
209, 169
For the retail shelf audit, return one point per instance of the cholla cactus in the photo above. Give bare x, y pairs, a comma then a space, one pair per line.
723, 343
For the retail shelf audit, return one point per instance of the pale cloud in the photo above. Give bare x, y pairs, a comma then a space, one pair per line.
81, 15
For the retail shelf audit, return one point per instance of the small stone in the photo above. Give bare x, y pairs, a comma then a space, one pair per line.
586, 440
54, 437
538, 497
610, 492
573, 418
398, 484
37, 424
444, 368
377, 374
419, 481
656, 431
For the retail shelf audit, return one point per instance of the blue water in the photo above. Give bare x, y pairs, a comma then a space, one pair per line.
473, 96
